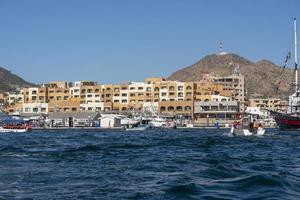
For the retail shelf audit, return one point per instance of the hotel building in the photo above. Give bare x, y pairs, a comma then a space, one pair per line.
153, 95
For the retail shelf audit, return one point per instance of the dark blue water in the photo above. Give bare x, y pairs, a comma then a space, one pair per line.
177, 164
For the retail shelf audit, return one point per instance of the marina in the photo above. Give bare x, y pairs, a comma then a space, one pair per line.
149, 100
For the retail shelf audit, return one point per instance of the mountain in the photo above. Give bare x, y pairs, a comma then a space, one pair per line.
10, 82
261, 78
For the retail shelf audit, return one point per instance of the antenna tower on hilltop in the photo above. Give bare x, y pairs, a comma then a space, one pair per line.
221, 52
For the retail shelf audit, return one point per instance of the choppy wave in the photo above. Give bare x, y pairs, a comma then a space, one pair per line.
177, 164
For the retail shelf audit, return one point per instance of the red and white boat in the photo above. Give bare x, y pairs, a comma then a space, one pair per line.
14, 126
291, 119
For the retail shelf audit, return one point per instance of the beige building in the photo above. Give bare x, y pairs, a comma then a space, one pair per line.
235, 85
154, 94
273, 104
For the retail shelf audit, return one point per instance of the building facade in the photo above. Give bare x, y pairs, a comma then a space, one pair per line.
155, 95
273, 104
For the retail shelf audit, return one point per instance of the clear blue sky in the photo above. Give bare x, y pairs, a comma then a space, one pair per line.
112, 41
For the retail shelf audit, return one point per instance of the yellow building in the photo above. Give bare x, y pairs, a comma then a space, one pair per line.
273, 104
173, 97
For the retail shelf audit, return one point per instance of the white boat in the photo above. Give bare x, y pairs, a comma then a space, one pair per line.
246, 127
246, 132
11, 125
138, 128
13, 130
162, 123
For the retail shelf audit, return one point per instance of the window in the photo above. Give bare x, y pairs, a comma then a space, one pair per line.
171, 88
180, 88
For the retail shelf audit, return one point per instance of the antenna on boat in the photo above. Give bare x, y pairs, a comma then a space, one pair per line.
296, 57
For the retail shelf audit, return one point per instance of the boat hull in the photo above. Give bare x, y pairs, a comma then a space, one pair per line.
287, 122
246, 132
139, 128
5, 130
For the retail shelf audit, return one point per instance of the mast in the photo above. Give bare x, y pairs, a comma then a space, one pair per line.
296, 57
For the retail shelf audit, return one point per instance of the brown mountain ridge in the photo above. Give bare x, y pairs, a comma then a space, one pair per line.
10, 82
261, 78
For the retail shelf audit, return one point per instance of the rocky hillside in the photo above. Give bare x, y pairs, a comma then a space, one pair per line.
10, 82
261, 78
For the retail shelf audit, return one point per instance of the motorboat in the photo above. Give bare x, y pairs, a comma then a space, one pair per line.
14, 126
141, 127
247, 127
162, 123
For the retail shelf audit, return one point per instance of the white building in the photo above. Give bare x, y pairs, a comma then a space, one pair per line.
15, 98
75, 90
39, 108
109, 121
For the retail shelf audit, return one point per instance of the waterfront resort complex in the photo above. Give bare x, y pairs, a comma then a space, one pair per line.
213, 96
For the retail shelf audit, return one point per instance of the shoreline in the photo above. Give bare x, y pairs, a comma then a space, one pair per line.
119, 128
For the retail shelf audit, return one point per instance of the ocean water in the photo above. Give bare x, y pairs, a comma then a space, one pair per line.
156, 164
